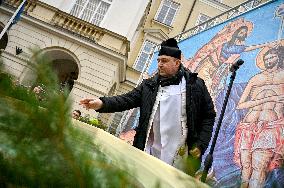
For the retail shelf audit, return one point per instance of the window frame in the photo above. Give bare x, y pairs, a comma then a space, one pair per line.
219, 1
80, 14
198, 19
160, 8
202, 26
149, 58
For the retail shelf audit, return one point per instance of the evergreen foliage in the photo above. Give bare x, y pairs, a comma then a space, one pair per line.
39, 146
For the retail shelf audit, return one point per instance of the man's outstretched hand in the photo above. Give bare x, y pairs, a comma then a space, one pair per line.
94, 104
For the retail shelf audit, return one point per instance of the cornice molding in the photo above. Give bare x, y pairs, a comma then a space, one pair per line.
129, 83
81, 86
167, 27
21, 59
158, 34
220, 6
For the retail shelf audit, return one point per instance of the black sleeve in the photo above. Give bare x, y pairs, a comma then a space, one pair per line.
123, 102
207, 119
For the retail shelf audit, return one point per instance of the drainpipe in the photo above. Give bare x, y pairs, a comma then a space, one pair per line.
189, 15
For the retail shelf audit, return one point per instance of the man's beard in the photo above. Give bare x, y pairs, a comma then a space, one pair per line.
271, 65
241, 38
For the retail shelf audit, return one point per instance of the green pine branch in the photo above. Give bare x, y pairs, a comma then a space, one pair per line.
39, 146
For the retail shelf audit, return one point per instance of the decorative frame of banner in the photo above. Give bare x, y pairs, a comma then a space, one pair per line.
250, 145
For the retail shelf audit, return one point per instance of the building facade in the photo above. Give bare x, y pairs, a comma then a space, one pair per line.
169, 18
106, 43
86, 42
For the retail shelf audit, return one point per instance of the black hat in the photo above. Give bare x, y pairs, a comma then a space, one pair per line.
170, 48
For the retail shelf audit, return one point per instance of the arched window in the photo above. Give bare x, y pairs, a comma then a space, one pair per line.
64, 65
4, 39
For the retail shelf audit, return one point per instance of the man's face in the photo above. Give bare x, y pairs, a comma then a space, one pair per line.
37, 90
242, 35
75, 115
270, 60
167, 65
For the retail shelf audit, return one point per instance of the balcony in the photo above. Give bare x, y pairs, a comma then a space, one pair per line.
73, 25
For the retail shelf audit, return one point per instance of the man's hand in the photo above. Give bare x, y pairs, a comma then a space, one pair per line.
94, 104
195, 152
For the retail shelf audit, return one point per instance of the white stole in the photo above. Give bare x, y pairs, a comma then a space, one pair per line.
167, 126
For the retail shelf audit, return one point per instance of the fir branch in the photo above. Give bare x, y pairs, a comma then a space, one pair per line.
39, 146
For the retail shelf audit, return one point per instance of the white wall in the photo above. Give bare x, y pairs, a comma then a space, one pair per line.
124, 16
54, 3
64, 5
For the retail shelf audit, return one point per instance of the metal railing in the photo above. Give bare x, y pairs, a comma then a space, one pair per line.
232, 13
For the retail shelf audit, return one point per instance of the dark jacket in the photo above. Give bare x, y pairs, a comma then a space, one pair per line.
199, 108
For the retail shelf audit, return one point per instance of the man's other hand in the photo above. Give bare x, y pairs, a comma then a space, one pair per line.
94, 104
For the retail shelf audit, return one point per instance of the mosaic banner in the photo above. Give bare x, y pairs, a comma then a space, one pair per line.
250, 145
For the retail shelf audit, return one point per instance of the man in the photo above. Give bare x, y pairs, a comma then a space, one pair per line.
259, 141
76, 114
70, 81
176, 110
39, 92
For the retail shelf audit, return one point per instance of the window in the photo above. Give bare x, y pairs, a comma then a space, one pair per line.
202, 18
167, 12
145, 55
92, 11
